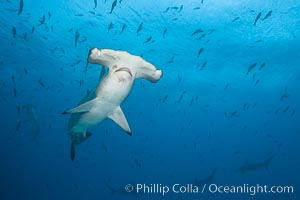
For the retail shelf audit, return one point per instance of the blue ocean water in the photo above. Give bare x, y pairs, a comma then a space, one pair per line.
225, 112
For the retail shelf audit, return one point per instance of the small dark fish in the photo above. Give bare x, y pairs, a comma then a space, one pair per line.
42, 20
113, 6
286, 109
49, 15
21, 7
181, 96
256, 83
226, 86
71, 29
13, 78
171, 60
178, 79
80, 83
104, 148
79, 15
235, 19
139, 28
196, 8
254, 105
111, 25
199, 52
137, 163
76, 63
180, 9
15, 92
211, 31
25, 71
284, 95
226, 115
174, 7
123, 28
267, 15
262, 66
165, 98
148, 40
42, 83
95, 3
203, 65
293, 112
84, 38
25, 37
257, 18
192, 100
77, 35
18, 125
14, 32
167, 9
32, 29
246, 106
164, 33
202, 36
197, 31
86, 66
251, 67
235, 114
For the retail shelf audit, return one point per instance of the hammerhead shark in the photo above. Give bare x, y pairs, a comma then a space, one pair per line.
104, 101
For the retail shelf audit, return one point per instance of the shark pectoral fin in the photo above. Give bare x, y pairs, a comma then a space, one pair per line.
85, 107
119, 118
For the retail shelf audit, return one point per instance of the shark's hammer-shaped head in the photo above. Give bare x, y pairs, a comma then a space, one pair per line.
136, 66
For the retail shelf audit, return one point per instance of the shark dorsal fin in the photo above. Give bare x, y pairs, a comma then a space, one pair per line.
119, 118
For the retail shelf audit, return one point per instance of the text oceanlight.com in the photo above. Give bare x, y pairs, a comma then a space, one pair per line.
208, 188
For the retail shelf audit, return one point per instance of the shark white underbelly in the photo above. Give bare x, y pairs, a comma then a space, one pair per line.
104, 102
112, 91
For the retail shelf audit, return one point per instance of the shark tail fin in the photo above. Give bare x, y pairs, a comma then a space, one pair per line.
77, 138
72, 151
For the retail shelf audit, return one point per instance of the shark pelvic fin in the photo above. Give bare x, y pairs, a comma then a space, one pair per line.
119, 118
85, 107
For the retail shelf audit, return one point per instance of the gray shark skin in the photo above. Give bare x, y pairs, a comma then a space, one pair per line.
208, 179
251, 167
104, 101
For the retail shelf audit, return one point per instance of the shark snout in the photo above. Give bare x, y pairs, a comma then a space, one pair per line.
94, 56
94, 51
157, 75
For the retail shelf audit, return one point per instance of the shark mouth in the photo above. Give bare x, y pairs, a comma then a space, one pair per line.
125, 69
